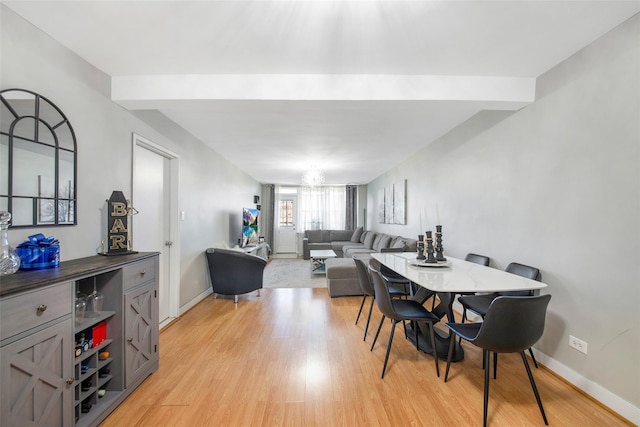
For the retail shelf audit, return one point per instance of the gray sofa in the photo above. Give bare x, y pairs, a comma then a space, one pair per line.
342, 276
347, 243
328, 239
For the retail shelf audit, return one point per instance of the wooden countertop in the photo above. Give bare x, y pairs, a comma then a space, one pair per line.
67, 270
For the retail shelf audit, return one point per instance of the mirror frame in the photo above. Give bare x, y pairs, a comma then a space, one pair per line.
64, 206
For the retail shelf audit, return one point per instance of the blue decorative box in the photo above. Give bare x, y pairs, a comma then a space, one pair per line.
38, 253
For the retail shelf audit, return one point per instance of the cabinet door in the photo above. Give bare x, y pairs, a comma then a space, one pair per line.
141, 325
37, 378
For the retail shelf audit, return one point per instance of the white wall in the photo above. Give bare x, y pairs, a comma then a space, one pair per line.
211, 189
555, 185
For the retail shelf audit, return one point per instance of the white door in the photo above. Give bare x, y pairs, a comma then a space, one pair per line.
152, 188
287, 238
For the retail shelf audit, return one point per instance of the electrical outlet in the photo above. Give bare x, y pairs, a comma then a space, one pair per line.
578, 344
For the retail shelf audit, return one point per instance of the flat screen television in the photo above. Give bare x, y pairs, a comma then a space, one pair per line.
249, 226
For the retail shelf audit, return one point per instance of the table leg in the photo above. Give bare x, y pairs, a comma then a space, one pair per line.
444, 307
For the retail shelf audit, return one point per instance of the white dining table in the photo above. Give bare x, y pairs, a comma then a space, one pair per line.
455, 276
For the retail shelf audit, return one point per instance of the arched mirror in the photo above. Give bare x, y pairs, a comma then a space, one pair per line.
38, 161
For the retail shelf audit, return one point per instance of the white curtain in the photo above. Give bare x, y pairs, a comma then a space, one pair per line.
321, 208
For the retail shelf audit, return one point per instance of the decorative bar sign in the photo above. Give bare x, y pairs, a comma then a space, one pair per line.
118, 240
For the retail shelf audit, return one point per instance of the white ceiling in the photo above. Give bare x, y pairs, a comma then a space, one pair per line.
353, 87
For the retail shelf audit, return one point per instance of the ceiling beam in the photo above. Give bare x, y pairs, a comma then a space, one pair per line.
480, 92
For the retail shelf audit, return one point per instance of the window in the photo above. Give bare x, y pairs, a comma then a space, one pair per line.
322, 208
286, 213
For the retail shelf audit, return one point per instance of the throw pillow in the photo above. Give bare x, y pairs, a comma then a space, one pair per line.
355, 237
398, 242
364, 236
382, 242
368, 240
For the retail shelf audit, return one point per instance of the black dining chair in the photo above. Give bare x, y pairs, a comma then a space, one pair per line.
476, 259
511, 324
401, 310
364, 279
479, 303
394, 279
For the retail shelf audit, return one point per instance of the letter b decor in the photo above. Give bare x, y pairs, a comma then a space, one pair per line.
118, 241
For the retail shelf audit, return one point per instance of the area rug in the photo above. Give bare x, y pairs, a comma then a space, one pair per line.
291, 273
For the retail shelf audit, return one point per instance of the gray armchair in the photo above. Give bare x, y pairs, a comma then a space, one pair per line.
234, 272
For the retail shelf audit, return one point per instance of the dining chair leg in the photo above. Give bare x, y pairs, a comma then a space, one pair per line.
533, 386
360, 311
452, 343
418, 331
377, 333
495, 365
487, 358
434, 350
386, 357
533, 358
366, 327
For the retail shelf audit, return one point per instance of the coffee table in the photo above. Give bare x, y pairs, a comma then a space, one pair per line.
318, 258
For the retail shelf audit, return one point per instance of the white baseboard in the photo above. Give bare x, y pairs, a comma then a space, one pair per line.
167, 322
195, 301
595, 390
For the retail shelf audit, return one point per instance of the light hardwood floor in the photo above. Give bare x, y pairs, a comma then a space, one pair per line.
295, 357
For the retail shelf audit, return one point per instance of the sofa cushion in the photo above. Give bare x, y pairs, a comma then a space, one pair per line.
320, 246
340, 235
351, 251
338, 247
350, 245
315, 236
355, 237
368, 239
364, 236
381, 242
340, 268
326, 235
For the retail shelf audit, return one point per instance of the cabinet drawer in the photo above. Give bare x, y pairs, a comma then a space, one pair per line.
31, 309
140, 272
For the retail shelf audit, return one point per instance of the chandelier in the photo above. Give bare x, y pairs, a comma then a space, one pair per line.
313, 177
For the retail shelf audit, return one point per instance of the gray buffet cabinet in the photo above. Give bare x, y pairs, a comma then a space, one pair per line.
43, 380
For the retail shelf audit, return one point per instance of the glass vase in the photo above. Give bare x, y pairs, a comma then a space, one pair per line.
9, 259
94, 300
80, 307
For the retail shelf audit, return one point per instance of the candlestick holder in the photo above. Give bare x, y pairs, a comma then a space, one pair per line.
430, 258
420, 247
439, 247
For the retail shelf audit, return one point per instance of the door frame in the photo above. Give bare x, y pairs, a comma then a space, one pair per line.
174, 225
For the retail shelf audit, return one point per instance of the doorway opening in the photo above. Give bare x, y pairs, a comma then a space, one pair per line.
286, 214
155, 228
